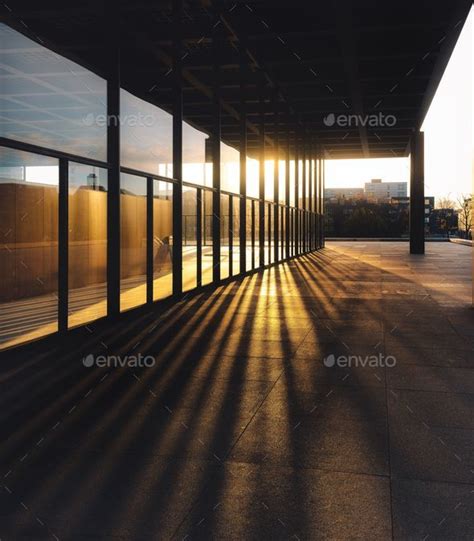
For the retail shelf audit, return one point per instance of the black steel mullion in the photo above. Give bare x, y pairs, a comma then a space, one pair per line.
149, 240
177, 148
262, 175
63, 246
113, 193
276, 179
287, 191
243, 160
253, 202
230, 229
199, 234
297, 180
216, 152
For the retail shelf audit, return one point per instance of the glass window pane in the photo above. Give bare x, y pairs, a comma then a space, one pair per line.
29, 250
282, 181
162, 239
225, 252
132, 241
252, 177
49, 101
235, 235
256, 252
189, 238
230, 169
269, 180
248, 236
87, 265
146, 136
206, 265
292, 183
195, 168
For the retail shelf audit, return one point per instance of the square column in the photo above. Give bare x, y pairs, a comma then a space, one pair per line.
417, 194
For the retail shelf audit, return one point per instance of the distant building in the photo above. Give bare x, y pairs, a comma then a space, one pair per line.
378, 190
334, 194
444, 221
404, 203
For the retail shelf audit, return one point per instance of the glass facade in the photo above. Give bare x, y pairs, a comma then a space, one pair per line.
225, 236
87, 243
29, 250
69, 228
49, 101
235, 235
190, 236
133, 238
207, 263
162, 239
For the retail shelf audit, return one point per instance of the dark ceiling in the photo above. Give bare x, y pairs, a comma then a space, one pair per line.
308, 59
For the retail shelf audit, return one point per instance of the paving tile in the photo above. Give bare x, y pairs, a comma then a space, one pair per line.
431, 378
429, 510
262, 502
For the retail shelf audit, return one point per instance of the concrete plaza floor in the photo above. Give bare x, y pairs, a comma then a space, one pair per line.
240, 430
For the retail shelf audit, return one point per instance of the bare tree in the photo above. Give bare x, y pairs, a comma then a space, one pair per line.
465, 203
445, 203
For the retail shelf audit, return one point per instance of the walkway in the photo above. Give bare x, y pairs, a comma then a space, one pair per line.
240, 431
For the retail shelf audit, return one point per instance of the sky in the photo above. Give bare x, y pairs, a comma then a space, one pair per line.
448, 128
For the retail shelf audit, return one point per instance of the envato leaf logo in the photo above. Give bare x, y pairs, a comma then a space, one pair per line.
329, 120
88, 360
330, 361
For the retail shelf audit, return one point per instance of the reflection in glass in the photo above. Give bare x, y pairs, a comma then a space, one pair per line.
49, 101
225, 251
249, 263
206, 264
230, 169
281, 252
252, 177
292, 183
132, 241
87, 254
162, 239
146, 136
195, 168
282, 181
29, 250
235, 235
189, 238
271, 231
269, 180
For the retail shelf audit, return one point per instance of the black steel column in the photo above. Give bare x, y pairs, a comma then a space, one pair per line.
297, 206
287, 191
199, 235
276, 177
261, 202
149, 240
316, 194
243, 160
417, 194
177, 148
113, 193
310, 195
323, 183
230, 229
216, 155
304, 179
63, 245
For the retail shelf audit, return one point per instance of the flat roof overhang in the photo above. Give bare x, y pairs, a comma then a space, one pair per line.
312, 62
